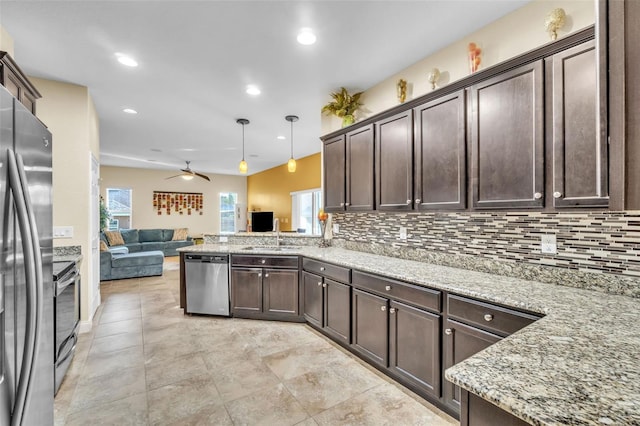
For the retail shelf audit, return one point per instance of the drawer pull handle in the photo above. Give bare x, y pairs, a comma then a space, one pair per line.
537, 195
392, 310
263, 261
408, 202
319, 283
418, 200
557, 194
324, 285
388, 288
488, 317
322, 268
383, 308
448, 332
347, 204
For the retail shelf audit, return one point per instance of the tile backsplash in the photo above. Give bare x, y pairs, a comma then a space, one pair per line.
595, 250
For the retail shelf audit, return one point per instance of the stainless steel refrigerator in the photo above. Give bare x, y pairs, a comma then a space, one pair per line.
26, 279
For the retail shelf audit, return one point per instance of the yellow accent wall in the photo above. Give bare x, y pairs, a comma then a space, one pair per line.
271, 189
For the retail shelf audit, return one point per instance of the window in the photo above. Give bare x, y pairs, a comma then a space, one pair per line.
227, 212
305, 206
119, 206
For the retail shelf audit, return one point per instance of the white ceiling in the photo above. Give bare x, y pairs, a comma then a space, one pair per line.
196, 58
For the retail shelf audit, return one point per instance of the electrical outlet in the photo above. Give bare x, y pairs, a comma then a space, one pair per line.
403, 233
63, 232
548, 244
224, 239
336, 228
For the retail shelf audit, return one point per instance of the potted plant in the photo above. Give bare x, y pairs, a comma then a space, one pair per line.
344, 106
104, 215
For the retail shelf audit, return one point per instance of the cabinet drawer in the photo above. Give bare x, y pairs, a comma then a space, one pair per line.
337, 273
271, 261
489, 317
413, 294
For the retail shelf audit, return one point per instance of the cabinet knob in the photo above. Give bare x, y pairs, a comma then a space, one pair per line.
383, 308
418, 200
341, 204
537, 195
266, 275
488, 317
322, 268
324, 285
259, 274
388, 288
448, 331
408, 202
557, 194
392, 310
263, 261
319, 283
346, 204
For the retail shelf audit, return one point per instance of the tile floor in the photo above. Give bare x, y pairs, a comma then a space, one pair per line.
145, 363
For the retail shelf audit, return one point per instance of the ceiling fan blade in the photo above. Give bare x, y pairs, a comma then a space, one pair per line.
171, 177
202, 176
188, 171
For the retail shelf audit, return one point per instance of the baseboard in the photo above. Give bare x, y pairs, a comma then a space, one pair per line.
85, 326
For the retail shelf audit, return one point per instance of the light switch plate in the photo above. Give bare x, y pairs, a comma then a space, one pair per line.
548, 244
63, 232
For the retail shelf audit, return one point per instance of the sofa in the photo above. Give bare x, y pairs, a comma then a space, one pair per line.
117, 263
139, 240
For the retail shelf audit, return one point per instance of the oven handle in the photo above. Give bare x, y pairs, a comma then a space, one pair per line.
74, 336
61, 285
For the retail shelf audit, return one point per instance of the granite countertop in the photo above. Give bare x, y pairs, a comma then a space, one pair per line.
68, 258
577, 365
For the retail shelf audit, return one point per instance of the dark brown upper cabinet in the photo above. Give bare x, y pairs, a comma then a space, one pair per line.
334, 174
359, 172
580, 149
440, 153
394, 162
17, 83
507, 139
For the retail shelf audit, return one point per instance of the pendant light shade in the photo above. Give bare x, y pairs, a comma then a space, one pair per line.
291, 164
243, 167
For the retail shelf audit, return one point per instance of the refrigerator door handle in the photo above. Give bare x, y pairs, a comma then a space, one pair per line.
33, 275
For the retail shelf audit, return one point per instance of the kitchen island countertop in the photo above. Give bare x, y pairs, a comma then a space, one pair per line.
577, 365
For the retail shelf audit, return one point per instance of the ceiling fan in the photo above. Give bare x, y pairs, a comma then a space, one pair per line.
188, 174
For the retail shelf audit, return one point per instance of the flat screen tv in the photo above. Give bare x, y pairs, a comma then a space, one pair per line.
262, 221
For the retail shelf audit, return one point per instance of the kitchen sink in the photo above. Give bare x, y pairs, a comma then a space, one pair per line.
272, 248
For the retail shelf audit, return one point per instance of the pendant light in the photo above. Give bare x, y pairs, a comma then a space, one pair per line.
243, 166
291, 165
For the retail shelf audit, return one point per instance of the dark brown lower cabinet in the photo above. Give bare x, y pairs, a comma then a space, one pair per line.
414, 346
370, 327
280, 291
460, 342
327, 305
478, 412
246, 290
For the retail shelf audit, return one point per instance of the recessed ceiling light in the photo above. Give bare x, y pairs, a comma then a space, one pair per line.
306, 36
281, 138
130, 111
252, 89
126, 60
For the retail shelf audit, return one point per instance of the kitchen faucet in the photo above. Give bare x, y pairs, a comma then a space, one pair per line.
276, 226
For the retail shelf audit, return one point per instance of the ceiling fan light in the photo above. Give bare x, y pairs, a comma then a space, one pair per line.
187, 177
291, 165
243, 167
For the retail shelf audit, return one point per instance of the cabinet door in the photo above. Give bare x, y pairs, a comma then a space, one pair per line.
440, 153
334, 174
370, 327
507, 139
394, 162
337, 310
313, 298
360, 180
580, 157
460, 342
280, 291
414, 346
246, 290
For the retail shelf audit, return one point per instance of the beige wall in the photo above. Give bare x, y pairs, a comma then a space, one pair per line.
518, 32
6, 42
69, 113
144, 181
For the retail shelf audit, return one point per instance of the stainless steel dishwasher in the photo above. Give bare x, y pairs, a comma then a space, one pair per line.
207, 283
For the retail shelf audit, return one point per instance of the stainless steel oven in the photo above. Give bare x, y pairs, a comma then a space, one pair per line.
66, 316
